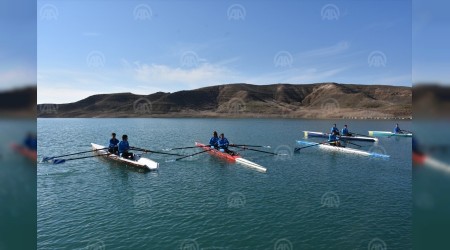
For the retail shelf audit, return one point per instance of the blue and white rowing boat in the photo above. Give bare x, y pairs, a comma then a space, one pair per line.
342, 149
342, 137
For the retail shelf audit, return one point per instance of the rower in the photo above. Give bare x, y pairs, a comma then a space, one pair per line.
214, 140
345, 131
223, 144
124, 147
30, 142
113, 142
334, 129
397, 129
333, 140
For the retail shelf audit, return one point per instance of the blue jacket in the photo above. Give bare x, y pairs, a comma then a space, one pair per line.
397, 130
344, 131
123, 146
113, 142
332, 138
223, 143
334, 129
213, 141
30, 143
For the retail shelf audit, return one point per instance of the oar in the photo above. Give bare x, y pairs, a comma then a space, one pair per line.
59, 161
237, 146
407, 131
317, 144
53, 157
252, 146
168, 149
361, 135
151, 151
177, 159
354, 144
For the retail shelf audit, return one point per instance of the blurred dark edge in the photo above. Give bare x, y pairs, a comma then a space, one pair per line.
18, 103
431, 187
18, 192
431, 101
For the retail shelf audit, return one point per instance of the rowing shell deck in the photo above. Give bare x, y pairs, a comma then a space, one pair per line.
342, 137
387, 133
141, 162
343, 149
235, 158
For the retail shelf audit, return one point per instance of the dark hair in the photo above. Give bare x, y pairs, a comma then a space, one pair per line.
124, 137
345, 125
222, 134
113, 134
215, 133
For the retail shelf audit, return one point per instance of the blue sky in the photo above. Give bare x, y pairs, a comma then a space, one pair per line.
431, 40
87, 47
17, 43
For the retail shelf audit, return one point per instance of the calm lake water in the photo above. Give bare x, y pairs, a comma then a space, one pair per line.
309, 200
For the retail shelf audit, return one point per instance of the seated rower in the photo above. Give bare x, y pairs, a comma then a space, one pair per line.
124, 148
213, 142
334, 129
345, 131
333, 140
113, 144
30, 142
223, 144
397, 129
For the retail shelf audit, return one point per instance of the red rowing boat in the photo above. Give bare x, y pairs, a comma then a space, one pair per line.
234, 158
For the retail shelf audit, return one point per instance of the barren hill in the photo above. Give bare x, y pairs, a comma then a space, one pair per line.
320, 100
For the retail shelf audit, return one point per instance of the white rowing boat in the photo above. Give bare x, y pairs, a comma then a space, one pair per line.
235, 158
139, 162
342, 137
342, 149
387, 133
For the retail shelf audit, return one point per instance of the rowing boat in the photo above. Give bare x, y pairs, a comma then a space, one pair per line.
387, 133
234, 158
24, 151
425, 160
139, 162
342, 149
342, 137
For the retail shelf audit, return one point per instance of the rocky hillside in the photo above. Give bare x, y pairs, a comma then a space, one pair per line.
321, 100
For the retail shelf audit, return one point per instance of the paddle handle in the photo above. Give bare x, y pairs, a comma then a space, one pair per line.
192, 154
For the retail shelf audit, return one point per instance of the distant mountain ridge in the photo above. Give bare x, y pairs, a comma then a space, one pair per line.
319, 100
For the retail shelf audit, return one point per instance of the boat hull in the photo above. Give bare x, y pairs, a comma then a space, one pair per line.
342, 149
141, 162
232, 158
343, 137
28, 153
387, 133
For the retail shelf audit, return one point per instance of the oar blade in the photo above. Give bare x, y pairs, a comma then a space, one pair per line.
46, 159
58, 161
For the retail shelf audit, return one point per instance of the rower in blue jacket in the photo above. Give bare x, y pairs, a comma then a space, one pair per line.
345, 131
334, 129
223, 144
213, 142
397, 129
113, 144
124, 148
30, 142
333, 139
